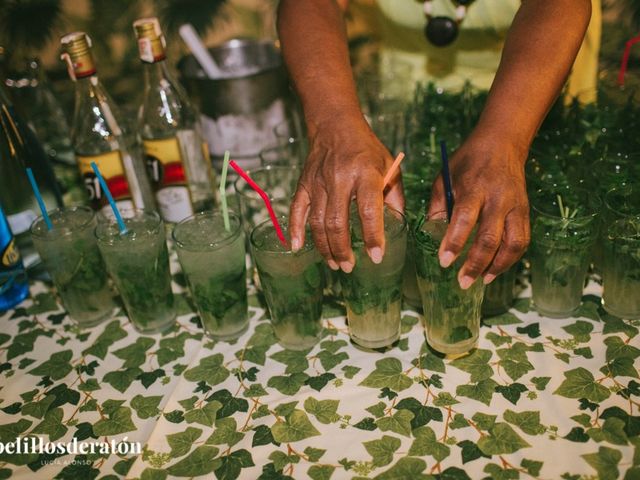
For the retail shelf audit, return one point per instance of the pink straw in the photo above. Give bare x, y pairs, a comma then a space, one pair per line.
265, 198
625, 58
392, 170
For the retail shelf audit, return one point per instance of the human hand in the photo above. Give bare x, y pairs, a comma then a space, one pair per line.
345, 161
489, 188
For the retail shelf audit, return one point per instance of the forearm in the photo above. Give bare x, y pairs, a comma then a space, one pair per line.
539, 51
314, 46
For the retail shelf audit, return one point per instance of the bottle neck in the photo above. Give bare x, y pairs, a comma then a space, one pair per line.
155, 73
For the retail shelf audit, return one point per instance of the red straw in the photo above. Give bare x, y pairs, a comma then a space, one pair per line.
625, 58
265, 198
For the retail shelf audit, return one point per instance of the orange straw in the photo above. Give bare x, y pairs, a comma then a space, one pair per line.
392, 170
265, 198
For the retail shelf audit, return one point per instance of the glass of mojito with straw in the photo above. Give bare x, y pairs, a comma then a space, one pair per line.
373, 292
213, 261
70, 253
451, 315
292, 283
138, 261
564, 229
621, 243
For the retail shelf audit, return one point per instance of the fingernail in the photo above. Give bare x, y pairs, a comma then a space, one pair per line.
446, 259
375, 254
346, 267
295, 245
488, 278
466, 281
333, 265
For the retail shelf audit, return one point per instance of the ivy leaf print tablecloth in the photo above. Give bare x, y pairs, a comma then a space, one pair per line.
539, 398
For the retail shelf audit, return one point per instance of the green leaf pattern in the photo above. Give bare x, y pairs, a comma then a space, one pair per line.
561, 402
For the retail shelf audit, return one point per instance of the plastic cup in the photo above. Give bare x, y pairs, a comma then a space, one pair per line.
452, 315
72, 258
213, 262
293, 286
561, 248
138, 262
373, 293
621, 262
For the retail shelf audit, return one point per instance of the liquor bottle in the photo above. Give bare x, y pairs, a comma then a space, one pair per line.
97, 137
19, 149
34, 100
176, 154
13, 277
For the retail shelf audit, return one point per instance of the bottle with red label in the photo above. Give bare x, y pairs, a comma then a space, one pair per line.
97, 137
177, 159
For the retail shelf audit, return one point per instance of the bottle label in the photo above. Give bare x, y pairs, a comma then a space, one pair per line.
21, 222
168, 177
10, 256
112, 169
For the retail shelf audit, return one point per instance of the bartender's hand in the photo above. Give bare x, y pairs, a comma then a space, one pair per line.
489, 189
345, 161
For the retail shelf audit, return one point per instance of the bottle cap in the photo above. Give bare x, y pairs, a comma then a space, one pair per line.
151, 42
76, 51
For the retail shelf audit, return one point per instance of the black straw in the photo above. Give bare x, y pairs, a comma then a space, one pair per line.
446, 177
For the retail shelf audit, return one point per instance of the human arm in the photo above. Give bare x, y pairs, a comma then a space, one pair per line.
488, 169
346, 160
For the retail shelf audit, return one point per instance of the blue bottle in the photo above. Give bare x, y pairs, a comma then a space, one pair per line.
13, 276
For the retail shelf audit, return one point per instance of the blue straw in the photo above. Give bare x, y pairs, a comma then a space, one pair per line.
446, 177
105, 189
36, 192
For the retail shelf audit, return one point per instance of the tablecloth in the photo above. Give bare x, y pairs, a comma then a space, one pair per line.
539, 398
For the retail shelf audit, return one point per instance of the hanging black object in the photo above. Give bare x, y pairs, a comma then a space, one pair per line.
442, 31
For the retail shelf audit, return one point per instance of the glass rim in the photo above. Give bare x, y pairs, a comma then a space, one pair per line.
227, 239
617, 211
259, 169
108, 220
308, 246
73, 208
592, 198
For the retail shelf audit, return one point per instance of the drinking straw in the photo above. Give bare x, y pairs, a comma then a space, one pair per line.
432, 143
625, 58
392, 170
223, 191
191, 38
36, 192
264, 197
446, 177
105, 189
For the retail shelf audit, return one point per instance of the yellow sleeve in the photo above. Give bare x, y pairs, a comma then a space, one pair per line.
583, 80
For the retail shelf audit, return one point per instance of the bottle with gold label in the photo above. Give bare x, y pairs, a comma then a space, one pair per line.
97, 137
177, 158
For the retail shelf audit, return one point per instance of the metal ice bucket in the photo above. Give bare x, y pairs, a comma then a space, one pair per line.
241, 107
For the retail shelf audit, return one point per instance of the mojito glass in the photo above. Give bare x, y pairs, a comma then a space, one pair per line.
138, 262
373, 293
290, 152
72, 258
621, 263
293, 286
563, 233
278, 182
498, 295
213, 262
452, 315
